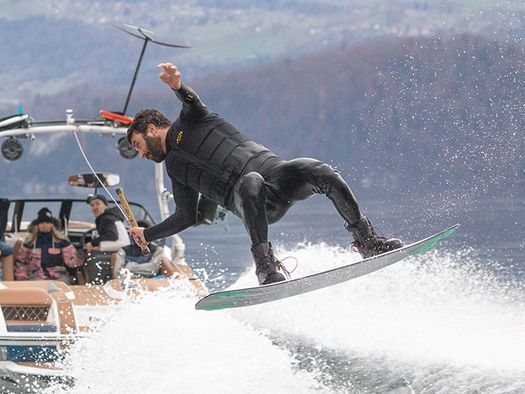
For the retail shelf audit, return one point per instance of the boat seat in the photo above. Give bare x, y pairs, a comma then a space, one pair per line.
25, 296
26, 310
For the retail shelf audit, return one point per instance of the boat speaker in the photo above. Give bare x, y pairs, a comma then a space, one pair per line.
12, 149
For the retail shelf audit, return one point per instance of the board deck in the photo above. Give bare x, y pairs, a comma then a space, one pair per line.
275, 291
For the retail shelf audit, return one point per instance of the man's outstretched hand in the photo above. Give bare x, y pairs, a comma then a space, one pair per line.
170, 75
137, 233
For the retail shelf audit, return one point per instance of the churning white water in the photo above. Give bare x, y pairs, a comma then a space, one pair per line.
435, 323
440, 319
163, 345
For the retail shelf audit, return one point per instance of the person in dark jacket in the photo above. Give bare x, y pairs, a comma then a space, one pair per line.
111, 233
205, 154
46, 253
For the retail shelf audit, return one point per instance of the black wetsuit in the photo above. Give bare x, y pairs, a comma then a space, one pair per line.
207, 155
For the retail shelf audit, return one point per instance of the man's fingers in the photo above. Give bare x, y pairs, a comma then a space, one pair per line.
137, 236
164, 65
168, 68
170, 75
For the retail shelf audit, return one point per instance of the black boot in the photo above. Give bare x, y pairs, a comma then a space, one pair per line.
266, 264
368, 243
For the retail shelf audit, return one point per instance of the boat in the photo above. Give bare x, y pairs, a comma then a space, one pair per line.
40, 320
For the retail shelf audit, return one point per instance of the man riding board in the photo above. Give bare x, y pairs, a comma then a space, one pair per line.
205, 154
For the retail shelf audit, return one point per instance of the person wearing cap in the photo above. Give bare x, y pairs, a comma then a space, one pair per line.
111, 234
46, 253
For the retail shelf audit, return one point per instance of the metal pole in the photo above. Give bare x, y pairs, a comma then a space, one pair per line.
135, 75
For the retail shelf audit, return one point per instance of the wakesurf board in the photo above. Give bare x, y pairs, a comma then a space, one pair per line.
276, 291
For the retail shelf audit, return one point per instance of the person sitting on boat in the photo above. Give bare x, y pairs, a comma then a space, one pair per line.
131, 258
111, 234
6, 258
203, 153
46, 253
6, 250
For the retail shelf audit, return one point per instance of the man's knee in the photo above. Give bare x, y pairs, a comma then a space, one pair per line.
324, 173
251, 186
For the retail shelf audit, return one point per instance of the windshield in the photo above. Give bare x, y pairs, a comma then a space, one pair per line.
23, 212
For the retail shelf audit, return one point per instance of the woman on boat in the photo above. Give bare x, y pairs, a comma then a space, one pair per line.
46, 253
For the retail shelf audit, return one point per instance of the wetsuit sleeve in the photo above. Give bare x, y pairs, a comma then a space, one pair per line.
107, 231
185, 214
192, 106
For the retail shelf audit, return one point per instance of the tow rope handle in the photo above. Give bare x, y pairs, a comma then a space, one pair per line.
130, 217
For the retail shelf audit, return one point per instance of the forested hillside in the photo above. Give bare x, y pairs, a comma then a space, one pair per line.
49, 45
399, 115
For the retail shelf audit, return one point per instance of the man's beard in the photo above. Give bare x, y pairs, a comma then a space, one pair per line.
154, 146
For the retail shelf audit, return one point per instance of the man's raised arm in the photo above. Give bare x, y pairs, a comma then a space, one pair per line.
192, 106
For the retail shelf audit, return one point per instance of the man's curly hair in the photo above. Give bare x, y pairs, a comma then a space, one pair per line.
143, 119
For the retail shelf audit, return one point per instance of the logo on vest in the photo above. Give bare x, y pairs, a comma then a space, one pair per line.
179, 136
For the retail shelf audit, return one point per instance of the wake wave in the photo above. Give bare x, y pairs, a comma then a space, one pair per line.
161, 344
435, 323
438, 318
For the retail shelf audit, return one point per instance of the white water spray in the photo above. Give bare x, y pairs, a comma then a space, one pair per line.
161, 344
433, 323
436, 310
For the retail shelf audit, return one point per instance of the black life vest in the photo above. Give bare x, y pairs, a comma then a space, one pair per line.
209, 155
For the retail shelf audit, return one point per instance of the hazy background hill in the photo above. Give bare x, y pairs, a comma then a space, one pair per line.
49, 45
416, 97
